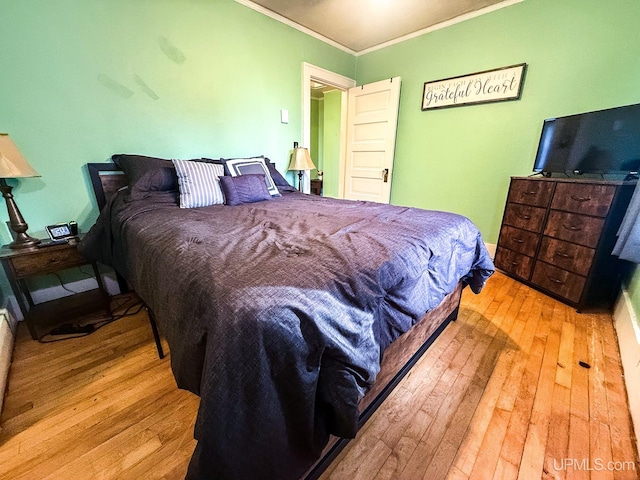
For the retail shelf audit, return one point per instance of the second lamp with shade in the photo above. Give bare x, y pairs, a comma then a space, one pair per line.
13, 165
300, 161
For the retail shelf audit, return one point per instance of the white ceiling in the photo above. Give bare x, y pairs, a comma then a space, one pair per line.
358, 26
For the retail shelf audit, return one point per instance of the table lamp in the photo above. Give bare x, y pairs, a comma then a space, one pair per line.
13, 165
300, 160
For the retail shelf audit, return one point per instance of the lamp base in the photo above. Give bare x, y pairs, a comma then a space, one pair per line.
16, 221
24, 241
300, 180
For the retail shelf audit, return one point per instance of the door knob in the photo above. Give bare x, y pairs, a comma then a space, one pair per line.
385, 175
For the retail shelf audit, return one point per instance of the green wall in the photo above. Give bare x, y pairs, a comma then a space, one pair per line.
582, 55
316, 134
82, 80
331, 157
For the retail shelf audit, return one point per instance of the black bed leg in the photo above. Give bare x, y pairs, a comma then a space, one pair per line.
156, 334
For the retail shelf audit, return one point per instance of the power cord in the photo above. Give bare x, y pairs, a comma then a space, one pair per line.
62, 284
76, 331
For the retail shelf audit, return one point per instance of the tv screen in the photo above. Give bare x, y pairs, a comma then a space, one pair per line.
605, 141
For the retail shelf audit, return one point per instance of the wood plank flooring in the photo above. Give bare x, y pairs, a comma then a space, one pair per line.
500, 395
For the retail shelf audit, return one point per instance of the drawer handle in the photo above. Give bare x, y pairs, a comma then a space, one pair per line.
564, 255
523, 217
571, 228
515, 264
518, 240
555, 280
580, 199
530, 192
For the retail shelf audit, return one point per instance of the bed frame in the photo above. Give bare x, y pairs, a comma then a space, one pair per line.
107, 179
398, 359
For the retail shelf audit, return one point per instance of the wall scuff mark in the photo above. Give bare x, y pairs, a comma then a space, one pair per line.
171, 51
145, 88
115, 87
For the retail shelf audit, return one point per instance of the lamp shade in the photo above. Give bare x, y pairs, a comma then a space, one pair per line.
301, 160
12, 163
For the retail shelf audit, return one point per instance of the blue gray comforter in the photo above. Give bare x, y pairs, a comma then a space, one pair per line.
277, 313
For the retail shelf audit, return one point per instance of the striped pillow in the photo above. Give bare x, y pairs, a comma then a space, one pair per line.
199, 183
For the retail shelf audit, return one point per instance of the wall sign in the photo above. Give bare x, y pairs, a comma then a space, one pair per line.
497, 85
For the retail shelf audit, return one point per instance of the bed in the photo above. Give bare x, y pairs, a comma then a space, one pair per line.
292, 316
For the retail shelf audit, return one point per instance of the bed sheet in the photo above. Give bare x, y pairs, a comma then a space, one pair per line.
277, 313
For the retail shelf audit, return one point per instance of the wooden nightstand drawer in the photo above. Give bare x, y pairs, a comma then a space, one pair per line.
587, 199
518, 240
530, 192
514, 263
42, 317
47, 260
574, 228
560, 282
524, 216
568, 256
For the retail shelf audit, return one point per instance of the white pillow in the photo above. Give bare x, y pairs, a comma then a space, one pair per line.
199, 183
243, 166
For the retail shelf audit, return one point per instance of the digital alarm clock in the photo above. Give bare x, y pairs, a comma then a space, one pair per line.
61, 231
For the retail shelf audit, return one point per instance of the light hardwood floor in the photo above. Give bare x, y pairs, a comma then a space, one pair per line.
501, 394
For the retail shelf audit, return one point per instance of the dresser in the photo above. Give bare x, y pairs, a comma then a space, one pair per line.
557, 236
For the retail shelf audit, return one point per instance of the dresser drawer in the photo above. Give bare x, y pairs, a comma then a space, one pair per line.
587, 199
565, 284
530, 192
565, 255
575, 228
518, 240
524, 216
514, 263
48, 260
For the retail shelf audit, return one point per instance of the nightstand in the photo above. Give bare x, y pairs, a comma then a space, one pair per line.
316, 187
20, 265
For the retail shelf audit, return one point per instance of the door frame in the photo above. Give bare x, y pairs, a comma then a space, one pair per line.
342, 83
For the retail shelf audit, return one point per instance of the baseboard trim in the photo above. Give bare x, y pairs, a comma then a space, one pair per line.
628, 332
7, 339
491, 248
57, 291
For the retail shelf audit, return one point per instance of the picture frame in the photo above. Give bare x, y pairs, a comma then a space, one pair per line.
489, 86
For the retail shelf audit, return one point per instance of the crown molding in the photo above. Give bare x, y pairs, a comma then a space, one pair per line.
440, 26
418, 33
297, 26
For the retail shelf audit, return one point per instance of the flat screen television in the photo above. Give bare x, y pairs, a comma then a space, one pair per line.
600, 142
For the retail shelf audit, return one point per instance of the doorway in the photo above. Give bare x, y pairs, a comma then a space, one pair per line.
325, 139
357, 150
328, 144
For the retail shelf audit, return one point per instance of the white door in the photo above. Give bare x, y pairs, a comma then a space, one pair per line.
372, 118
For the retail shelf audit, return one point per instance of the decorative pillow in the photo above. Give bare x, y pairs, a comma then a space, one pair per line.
248, 188
218, 161
146, 174
199, 183
255, 165
277, 177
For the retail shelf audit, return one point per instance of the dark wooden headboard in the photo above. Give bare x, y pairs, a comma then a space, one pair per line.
106, 179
